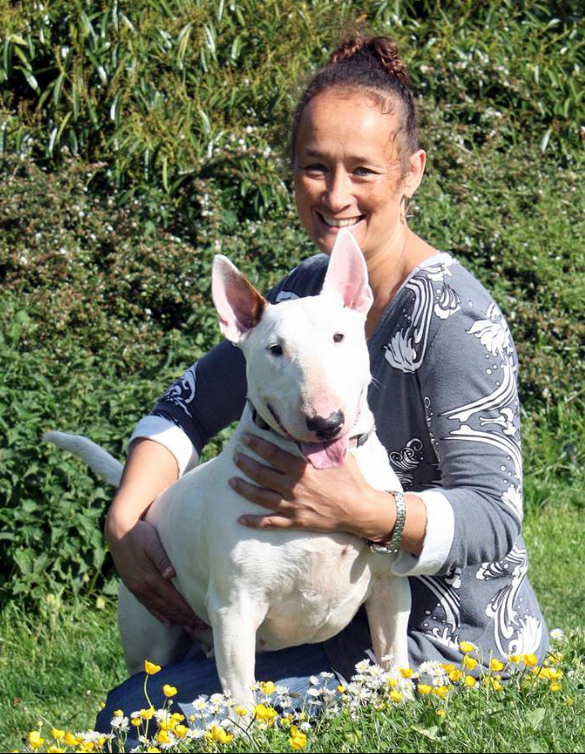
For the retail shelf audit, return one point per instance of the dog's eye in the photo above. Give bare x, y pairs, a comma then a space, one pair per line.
338, 337
275, 350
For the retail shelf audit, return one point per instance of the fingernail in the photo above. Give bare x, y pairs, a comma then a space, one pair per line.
168, 573
246, 438
243, 520
232, 483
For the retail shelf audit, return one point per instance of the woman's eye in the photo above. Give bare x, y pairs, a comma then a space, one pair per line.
363, 171
315, 168
275, 350
338, 337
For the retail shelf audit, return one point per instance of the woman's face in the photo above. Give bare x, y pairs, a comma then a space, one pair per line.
347, 171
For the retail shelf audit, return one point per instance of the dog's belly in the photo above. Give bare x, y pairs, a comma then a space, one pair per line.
326, 587
304, 619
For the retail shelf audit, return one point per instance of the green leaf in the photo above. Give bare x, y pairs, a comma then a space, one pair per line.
535, 717
431, 732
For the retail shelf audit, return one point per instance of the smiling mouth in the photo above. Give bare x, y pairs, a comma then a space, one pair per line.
341, 222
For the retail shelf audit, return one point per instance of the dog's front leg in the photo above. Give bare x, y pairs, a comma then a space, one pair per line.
234, 638
388, 609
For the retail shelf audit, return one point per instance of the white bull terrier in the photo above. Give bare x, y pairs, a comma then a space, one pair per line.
262, 590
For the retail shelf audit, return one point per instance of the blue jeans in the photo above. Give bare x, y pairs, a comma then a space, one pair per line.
290, 667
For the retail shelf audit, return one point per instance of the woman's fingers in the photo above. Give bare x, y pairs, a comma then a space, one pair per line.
260, 495
141, 562
279, 459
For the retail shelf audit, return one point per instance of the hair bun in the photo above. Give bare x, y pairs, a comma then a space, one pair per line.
383, 50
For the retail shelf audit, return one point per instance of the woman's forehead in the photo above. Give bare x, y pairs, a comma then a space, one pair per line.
349, 122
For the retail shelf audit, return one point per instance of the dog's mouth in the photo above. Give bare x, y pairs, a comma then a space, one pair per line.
321, 455
325, 455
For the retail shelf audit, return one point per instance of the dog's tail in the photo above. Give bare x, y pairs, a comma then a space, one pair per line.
97, 458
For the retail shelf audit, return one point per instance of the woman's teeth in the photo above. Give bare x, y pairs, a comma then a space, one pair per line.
340, 223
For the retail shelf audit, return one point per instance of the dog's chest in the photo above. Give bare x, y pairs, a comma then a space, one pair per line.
317, 590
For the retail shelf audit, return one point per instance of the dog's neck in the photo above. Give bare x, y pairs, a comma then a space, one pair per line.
355, 441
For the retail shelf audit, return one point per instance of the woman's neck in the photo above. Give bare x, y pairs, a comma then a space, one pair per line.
389, 268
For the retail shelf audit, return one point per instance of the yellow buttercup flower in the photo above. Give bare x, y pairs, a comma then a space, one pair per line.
264, 713
267, 687
219, 734
150, 667
467, 646
441, 713
54, 749
447, 666
530, 660
441, 691
470, 681
455, 675
57, 734
297, 740
514, 659
153, 749
147, 714
469, 662
497, 686
163, 737
178, 717
181, 731
71, 740
118, 713
169, 690
555, 687
496, 665
136, 722
406, 672
424, 689
34, 739
241, 711
396, 696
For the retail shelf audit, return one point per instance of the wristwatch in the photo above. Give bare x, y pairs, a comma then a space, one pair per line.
392, 547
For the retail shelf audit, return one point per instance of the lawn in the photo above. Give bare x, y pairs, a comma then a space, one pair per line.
57, 664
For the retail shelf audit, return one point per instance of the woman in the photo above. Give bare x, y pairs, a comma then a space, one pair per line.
444, 397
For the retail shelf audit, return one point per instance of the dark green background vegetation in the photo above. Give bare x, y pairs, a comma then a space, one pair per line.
138, 139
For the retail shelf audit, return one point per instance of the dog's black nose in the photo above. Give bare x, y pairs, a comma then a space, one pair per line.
326, 427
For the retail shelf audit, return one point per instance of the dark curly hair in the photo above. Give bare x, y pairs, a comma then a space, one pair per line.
371, 65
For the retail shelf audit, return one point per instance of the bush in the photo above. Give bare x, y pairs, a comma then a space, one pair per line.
133, 147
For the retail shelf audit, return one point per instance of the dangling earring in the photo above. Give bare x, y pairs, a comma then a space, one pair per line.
404, 202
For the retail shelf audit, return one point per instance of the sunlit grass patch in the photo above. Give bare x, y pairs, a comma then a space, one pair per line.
439, 707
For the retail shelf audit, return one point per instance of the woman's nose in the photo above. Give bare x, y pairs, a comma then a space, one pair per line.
338, 191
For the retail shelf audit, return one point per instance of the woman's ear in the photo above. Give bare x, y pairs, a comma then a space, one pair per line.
415, 170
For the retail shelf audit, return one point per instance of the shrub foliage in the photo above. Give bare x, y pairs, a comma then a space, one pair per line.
137, 142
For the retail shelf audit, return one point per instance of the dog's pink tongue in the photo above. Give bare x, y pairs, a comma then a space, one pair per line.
325, 455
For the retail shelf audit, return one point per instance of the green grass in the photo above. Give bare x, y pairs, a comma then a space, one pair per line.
57, 665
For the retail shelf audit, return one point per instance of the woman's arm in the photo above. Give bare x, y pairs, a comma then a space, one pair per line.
135, 546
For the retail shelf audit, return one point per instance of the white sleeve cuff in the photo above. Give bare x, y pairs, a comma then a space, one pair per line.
172, 437
438, 538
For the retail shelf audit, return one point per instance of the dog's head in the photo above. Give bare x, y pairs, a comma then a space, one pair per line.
307, 358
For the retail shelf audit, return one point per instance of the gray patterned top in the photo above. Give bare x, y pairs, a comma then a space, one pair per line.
444, 396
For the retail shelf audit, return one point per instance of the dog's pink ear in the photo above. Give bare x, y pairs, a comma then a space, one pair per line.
238, 303
347, 273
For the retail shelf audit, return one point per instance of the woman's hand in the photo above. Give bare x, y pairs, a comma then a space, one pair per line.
147, 571
301, 497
